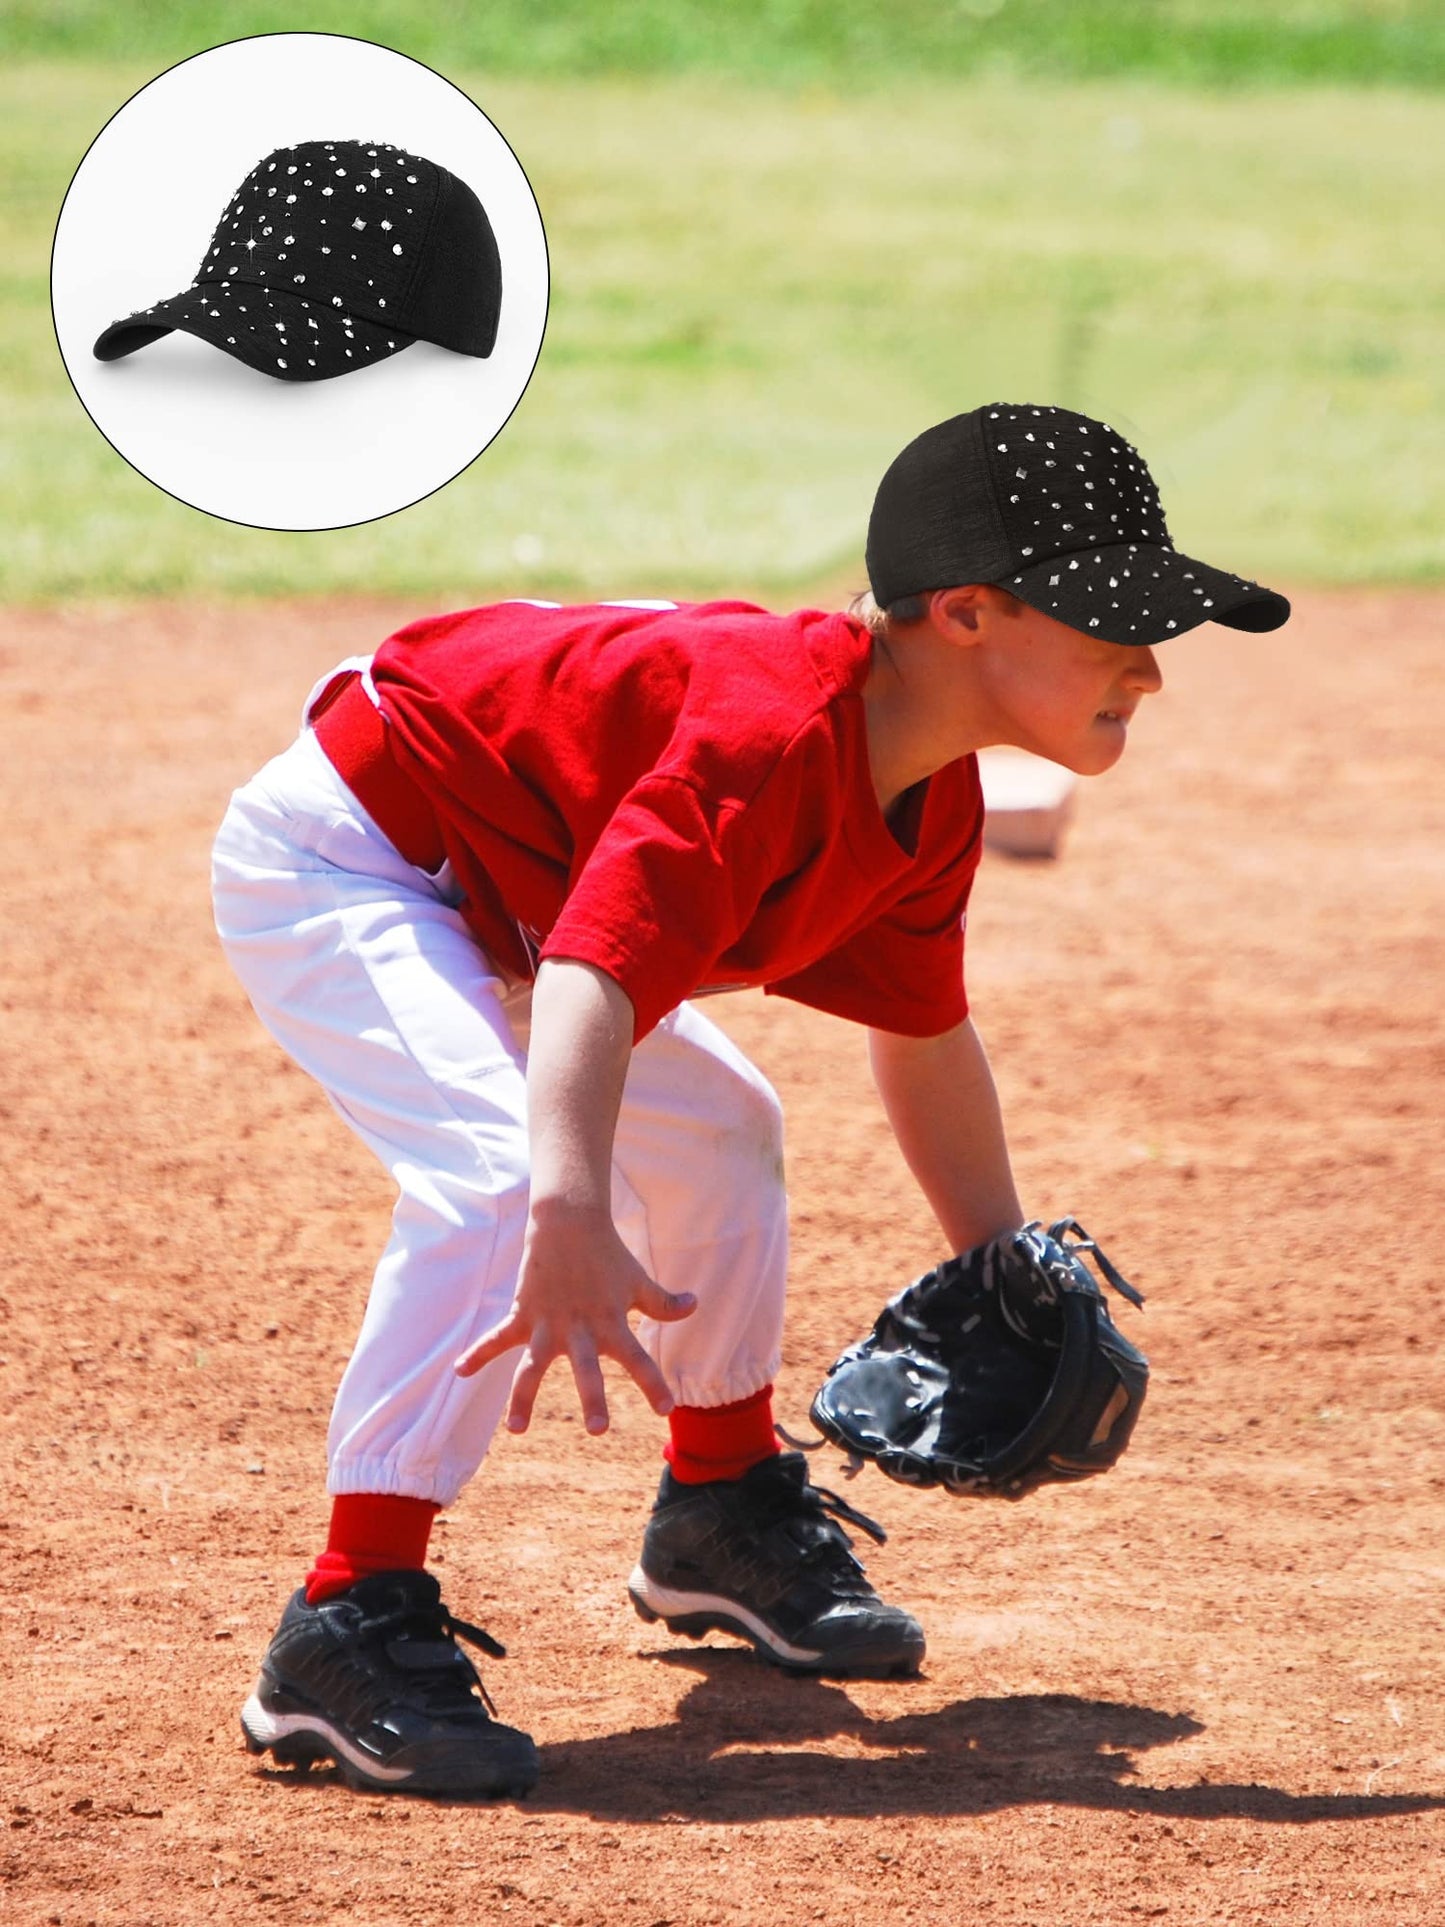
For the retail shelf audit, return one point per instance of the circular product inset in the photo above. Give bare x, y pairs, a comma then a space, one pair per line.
299, 281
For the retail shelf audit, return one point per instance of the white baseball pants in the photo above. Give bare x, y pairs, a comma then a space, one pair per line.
362, 968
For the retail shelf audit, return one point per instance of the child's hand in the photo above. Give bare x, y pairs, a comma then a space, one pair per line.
578, 1282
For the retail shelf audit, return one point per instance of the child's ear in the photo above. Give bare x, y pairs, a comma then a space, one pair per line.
957, 612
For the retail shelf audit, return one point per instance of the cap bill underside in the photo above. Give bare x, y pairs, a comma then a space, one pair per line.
273, 331
1131, 593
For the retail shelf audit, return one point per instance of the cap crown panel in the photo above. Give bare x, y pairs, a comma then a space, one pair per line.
1064, 483
934, 521
455, 299
339, 223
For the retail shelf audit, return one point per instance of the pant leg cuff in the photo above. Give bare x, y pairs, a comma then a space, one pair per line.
441, 1482
741, 1381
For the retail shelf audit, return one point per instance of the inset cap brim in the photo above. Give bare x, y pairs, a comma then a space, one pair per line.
276, 332
1132, 593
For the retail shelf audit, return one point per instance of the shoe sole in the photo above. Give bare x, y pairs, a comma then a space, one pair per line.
695, 1614
304, 1740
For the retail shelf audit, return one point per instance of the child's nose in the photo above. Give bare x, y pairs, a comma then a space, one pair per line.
1144, 673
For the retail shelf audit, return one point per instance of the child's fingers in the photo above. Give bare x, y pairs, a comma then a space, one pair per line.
501, 1338
665, 1306
591, 1392
525, 1387
645, 1374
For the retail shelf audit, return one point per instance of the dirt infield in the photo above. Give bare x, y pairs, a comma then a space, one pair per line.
1207, 1689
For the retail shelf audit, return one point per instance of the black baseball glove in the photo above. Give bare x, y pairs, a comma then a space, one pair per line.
996, 1373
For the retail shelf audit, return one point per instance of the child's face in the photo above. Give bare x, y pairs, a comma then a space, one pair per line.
1063, 693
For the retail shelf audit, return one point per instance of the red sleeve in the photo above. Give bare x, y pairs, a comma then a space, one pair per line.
673, 880
903, 969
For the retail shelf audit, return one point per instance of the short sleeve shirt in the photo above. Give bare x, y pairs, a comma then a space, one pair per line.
681, 797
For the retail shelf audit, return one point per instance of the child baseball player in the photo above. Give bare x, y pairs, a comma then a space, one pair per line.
478, 898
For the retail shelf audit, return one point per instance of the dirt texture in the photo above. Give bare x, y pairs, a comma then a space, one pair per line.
1205, 1689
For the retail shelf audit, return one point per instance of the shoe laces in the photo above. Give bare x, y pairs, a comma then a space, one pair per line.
822, 1502
832, 1505
790, 1493
831, 1550
416, 1623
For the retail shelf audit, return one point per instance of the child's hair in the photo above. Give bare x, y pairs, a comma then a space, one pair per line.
877, 621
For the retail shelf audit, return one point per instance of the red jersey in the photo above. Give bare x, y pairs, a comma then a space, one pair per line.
681, 797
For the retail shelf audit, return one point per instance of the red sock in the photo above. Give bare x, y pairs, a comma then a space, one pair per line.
370, 1532
711, 1442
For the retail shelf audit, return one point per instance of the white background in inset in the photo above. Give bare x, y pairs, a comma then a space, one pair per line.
139, 217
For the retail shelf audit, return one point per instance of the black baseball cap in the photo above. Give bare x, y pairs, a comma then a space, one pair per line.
333, 255
1059, 510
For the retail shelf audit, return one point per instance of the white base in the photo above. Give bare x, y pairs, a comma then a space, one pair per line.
1028, 802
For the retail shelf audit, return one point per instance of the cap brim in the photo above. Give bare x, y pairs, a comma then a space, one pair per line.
1132, 593
273, 331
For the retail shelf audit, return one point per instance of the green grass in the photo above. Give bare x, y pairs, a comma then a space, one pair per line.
759, 296
1189, 41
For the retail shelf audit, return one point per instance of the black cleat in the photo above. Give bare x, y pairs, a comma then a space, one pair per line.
374, 1680
764, 1557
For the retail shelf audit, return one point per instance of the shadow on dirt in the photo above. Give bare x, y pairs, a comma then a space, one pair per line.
748, 1744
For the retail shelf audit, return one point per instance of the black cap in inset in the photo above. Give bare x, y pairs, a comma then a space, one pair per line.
1059, 510
333, 255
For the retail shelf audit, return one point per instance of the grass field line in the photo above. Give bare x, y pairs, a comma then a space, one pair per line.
786, 43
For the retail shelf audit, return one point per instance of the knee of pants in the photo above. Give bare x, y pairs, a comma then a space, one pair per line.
700, 1136
757, 1123
737, 1177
